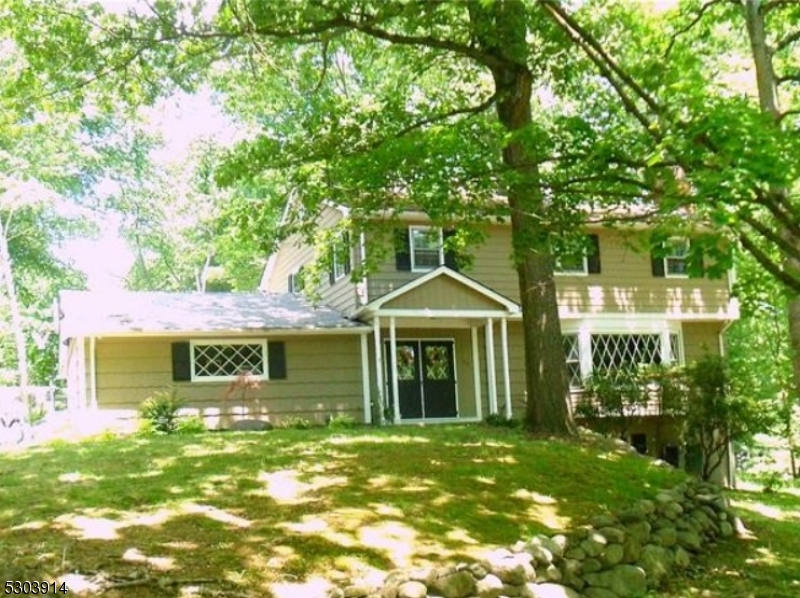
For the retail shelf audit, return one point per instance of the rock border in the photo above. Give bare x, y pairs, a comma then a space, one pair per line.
621, 555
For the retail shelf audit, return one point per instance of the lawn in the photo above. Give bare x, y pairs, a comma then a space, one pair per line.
275, 514
765, 563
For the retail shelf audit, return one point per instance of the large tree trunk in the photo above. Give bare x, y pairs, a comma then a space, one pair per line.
500, 28
768, 100
18, 330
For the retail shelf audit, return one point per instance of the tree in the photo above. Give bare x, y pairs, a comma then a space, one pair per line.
719, 152
450, 64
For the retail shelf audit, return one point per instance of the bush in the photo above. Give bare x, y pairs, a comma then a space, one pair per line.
295, 422
160, 411
342, 422
501, 421
190, 424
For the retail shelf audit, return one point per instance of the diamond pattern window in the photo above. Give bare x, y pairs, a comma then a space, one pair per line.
226, 361
611, 351
573, 354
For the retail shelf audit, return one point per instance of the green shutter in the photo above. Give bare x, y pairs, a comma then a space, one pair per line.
402, 255
593, 256
276, 355
181, 362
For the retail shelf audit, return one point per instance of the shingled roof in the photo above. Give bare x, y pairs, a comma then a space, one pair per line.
88, 313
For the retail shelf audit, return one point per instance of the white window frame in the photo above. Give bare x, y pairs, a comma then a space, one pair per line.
671, 244
412, 250
561, 271
294, 289
585, 330
228, 341
339, 270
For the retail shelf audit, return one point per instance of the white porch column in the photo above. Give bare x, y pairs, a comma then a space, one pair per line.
393, 368
379, 382
506, 373
93, 370
365, 391
476, 373
82, 373
491, 376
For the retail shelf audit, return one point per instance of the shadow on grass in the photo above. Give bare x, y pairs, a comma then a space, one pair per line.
289, 507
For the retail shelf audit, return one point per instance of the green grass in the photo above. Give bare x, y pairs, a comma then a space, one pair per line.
765, 563
261, 512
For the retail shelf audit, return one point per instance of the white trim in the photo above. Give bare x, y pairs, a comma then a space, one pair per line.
224, 334
410, 233
363, 292
442, 313
441, 420
421, 362
365, 389
394, 380
671, 242
235, 341
557, 271
491, 375
476, 373
81, 357
379, 381
603, 325
565, 315
93, 370
343, 239
504, 360
507, 303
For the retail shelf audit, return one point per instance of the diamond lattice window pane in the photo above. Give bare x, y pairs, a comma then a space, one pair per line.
437, 363
675, 348
573, 356
611, 351
406, 362
215, 361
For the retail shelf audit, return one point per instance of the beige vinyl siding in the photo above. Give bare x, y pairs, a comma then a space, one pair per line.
442, 293
625, 285
700, 338
294, 253
323, 378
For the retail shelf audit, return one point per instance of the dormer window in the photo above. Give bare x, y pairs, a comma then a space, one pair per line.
426, 248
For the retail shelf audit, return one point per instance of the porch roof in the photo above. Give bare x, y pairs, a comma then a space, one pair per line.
443, 290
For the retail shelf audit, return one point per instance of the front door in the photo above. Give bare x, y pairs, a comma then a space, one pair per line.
426, 379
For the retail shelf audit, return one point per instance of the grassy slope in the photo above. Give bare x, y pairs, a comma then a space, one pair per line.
259, 510
764, 564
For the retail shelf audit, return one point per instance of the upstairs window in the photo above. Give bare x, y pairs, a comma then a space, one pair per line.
340, 258
422, 249
583, 262
426, 248
675, 260
297, 281
672, 260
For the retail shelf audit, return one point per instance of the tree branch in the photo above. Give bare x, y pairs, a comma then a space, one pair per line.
690, 25
786, 41
770, 266
566, 21
768, 7
472, 110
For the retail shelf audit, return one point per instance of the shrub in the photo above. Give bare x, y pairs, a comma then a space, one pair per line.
190, 424
160, 411
501, 421
342, 422
295, 422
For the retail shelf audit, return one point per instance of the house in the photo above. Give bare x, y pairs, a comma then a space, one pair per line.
417, 340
